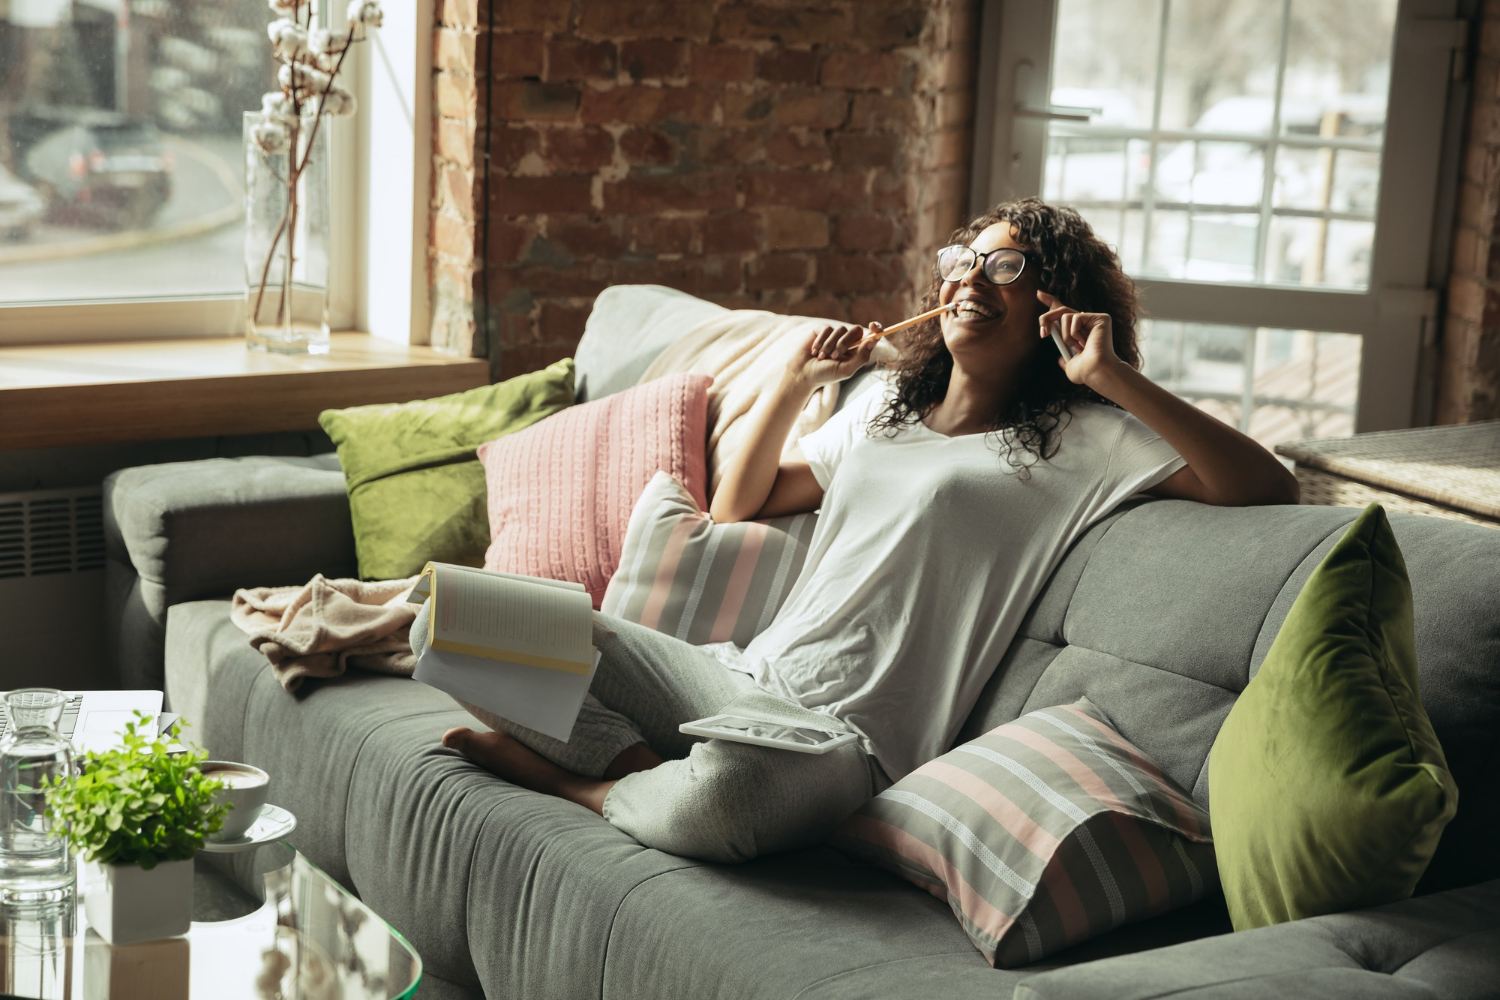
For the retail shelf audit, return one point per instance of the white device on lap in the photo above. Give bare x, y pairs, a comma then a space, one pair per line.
802, 739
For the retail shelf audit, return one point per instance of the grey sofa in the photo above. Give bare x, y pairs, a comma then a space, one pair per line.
1160, 614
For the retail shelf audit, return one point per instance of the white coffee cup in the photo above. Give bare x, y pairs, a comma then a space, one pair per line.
244, 788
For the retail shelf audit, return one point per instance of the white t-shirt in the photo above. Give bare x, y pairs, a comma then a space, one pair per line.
928, 553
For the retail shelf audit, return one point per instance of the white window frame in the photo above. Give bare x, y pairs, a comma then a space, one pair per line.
389, 288
1399, 309
378, 216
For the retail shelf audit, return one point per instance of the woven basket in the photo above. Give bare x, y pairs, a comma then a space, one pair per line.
1322, 489
1451, 471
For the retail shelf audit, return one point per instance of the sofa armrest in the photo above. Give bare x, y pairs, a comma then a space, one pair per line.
1443, 945
183, 531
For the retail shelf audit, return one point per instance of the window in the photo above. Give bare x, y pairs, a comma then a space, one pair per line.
121, 146
120, 165
1276, 385
1266, 171
1228, 146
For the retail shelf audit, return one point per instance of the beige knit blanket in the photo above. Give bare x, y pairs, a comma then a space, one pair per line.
325, 627
746, 351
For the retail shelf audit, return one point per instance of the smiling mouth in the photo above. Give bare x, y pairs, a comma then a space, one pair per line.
970, 309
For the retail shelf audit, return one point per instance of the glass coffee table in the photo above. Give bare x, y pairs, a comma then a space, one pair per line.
267, 925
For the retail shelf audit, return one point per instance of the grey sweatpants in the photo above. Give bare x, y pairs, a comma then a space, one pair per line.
713, 799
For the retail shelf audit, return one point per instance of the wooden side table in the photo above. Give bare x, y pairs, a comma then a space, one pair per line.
1450, 471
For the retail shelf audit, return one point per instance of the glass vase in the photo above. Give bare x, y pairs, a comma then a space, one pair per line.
286, 233
35, 864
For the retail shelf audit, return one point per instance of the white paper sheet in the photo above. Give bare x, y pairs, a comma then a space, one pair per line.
545, 700
535, 697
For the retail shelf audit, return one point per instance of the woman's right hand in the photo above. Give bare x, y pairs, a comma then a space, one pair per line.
832, 354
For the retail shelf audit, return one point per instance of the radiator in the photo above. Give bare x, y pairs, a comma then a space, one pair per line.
52, 589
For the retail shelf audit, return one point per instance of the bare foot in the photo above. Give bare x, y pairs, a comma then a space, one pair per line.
507, 757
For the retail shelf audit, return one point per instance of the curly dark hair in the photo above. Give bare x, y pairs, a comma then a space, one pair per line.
1075, 266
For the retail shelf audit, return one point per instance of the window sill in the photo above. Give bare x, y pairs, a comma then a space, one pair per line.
60, 395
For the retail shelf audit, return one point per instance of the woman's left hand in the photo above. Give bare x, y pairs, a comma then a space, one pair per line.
1090, 336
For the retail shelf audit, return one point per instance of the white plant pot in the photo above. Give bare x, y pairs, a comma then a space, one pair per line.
126, 903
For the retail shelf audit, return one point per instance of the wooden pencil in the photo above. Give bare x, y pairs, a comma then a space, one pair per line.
898, 327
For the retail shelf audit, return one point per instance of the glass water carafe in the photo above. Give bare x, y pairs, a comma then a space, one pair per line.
34, 860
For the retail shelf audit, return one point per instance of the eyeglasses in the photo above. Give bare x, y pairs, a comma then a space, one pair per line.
1001, 266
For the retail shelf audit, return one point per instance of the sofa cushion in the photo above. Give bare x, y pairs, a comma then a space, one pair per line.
1160, 614
561, 491
817, 925
1332, 790
745, 352
1455, 577
682, 574
182, 531
416, 488
1163, 654
169, 518
778, 926
627, 328
1444, 945
1040, 834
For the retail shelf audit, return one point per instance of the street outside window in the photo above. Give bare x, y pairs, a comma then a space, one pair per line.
120, 160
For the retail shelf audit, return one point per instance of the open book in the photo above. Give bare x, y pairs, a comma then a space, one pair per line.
518, 646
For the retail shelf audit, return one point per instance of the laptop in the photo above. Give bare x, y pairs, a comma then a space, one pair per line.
95, 720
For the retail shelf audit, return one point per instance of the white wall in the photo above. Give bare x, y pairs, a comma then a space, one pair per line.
394, 144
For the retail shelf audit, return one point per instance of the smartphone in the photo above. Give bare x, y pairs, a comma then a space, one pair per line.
1062, 345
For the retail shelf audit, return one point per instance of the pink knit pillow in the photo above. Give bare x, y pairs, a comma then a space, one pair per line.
561, 491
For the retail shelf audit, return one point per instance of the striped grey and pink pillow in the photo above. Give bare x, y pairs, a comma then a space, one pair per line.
1040, 833
682, 574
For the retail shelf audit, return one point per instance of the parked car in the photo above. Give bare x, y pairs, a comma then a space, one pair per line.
99, 166
20, 207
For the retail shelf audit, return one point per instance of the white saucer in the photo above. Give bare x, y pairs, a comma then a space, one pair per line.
271, 825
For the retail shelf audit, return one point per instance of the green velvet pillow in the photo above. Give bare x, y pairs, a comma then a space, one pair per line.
416, 491
1328, 788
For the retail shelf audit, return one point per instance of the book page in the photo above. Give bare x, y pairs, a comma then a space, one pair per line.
521, 578
505, 617
422, 587
545, 700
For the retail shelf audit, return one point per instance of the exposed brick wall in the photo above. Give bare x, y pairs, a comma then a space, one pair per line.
801, 157
1469, 362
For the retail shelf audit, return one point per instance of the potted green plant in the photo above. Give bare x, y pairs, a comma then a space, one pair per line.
137, 815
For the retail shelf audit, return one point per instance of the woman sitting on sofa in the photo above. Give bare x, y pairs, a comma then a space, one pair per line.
948, 494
